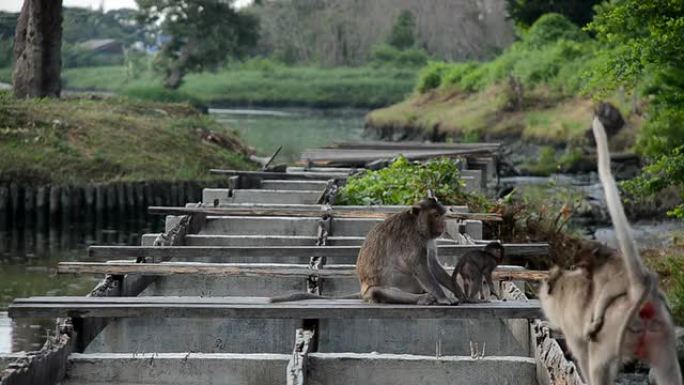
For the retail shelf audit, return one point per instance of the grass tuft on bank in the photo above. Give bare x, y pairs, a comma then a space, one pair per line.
256, 83
78, 140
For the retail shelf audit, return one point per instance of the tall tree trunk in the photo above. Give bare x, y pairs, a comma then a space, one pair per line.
37, 49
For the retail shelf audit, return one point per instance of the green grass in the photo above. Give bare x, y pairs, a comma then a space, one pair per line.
484, 114
79, 141
261, 83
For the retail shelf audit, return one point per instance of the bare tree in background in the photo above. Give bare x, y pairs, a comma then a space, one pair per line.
37, 49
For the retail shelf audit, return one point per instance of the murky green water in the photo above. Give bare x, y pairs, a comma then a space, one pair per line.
28, 267
294, 129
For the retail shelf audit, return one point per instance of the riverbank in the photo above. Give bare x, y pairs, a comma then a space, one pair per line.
449, 113
79, 141
260, 83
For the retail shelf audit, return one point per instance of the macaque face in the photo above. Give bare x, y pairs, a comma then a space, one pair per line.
437, 223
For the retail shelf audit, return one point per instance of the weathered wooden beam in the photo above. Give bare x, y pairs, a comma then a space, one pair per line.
335, 208
258, 307
339, 156
48, 365
230, 211
214, 269
381, 145
296, 367
251, 270
189, 252
551, 357
281, 175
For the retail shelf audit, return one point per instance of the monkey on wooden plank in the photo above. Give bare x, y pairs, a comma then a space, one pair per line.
612, 309
476, 265
397, 262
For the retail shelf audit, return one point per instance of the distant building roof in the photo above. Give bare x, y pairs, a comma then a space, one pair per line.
102, 45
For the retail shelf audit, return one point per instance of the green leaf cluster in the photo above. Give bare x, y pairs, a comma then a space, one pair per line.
405, 182
666, 170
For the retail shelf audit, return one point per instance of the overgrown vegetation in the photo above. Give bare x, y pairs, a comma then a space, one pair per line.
526, 12
530, 90
84, 140
669, 264
255, 82
553, 52
644, 44
405, 182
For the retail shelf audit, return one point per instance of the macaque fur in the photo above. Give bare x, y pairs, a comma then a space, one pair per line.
398, 262
474, 266
612, 310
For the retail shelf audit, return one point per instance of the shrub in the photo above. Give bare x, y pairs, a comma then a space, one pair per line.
405, 182
550, 28
384, 55
430, 76
554, 52
403, 32
456, 72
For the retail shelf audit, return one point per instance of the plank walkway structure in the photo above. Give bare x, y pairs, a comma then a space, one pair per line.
190, 306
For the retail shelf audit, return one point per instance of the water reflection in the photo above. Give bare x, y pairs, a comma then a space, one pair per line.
28, 259
294, 128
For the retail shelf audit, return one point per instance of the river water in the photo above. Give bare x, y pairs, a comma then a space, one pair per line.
294, 128
29, 256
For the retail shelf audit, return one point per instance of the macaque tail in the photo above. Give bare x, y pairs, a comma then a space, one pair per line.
636, 271
305, 296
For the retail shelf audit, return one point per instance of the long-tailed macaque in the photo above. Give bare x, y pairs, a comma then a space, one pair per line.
476, 265
613, 309
398, 262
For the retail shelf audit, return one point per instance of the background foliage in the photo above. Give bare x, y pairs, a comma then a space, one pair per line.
199, 34
644, 44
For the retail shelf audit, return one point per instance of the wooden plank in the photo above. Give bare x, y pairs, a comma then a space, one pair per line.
281, 175
212, 269
253, 270
315, 207
230, 211
297, 366
338, 156
158, 252
259, 307
380, 145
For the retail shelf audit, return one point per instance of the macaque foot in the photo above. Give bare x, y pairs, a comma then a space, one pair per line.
427, 299
476, 301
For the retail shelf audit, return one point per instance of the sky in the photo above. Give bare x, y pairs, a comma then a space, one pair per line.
15, 5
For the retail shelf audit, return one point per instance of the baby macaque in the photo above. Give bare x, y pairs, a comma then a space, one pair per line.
475, 266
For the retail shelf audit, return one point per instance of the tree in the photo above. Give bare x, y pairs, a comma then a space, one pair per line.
403, 31
82, 24
37, 49
526, 12
197, 34
644, 42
